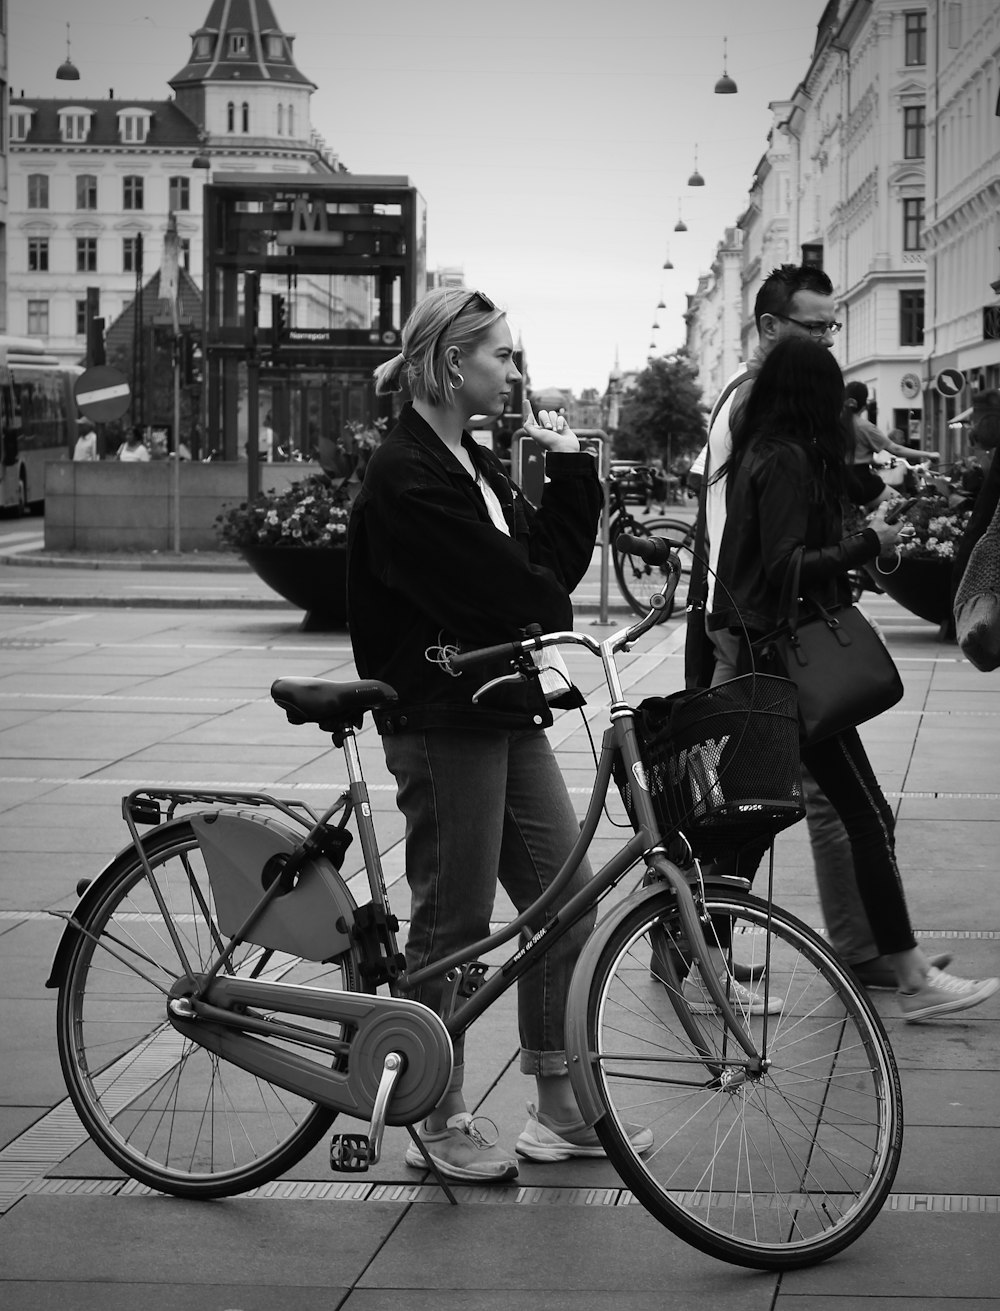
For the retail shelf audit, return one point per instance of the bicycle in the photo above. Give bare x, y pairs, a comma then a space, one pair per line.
640, 579
219, 1000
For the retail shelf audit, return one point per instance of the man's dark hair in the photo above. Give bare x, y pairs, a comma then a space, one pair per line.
858, 393
781, 284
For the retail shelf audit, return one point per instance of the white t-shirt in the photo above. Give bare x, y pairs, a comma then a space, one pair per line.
716, 453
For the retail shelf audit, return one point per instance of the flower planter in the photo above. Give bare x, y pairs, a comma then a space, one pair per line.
920, 585
312, 577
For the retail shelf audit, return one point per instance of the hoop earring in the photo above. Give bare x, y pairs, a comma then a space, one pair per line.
457, 386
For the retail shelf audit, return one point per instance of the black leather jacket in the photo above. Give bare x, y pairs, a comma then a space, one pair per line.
776, 504
427, 569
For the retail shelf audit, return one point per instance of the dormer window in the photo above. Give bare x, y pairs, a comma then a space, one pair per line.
274, 47
203, 44
133, 125
239, 45
20, 124
74, 123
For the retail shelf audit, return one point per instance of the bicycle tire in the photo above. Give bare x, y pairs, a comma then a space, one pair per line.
774, 1171
168, 1112
637, 579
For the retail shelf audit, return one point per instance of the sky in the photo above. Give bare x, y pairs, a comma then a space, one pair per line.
551, 140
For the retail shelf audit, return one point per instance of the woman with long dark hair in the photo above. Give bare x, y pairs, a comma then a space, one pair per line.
786, 488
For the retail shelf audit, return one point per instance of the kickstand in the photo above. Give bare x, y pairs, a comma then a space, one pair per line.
430, 1165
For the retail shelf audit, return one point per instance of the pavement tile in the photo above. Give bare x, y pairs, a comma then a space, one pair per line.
243, 1243
929, 1255
600, 1250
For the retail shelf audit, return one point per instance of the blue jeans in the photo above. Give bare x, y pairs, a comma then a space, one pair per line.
483, 806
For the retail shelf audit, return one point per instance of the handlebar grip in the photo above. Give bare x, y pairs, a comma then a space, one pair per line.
467, 659
654, 550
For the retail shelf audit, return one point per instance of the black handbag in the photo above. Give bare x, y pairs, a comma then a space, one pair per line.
841, 667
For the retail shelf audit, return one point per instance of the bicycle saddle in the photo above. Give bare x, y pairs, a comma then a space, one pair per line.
318, 701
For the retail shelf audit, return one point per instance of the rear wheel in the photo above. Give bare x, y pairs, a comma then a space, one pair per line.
772, 1166
638, 579
168, 1112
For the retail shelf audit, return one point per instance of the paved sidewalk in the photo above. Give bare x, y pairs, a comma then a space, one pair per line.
96, 698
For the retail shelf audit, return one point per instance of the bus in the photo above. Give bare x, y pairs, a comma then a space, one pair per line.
38, 419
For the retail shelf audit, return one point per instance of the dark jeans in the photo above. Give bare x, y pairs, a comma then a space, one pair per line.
484, 806
842, 770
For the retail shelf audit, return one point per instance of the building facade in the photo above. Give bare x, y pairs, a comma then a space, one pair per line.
94, 183
883, 168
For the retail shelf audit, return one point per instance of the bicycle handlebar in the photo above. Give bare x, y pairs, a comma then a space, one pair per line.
504, 651
654, 550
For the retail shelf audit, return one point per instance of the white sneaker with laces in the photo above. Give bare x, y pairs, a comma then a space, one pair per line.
943, 994
743, 1000
462, 1152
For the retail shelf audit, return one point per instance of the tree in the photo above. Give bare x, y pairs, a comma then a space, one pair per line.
663, 415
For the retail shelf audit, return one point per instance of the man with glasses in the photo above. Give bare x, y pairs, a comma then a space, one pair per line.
795, 300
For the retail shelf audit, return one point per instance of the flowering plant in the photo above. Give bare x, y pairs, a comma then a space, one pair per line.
942, 514
312, 512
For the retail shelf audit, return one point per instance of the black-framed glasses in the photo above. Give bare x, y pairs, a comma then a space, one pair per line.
816, 329
466, 304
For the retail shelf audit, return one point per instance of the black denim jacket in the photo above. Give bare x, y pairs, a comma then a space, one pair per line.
428, 570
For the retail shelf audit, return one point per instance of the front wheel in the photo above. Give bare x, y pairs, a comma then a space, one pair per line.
771, 1165
639, 580
169, 1112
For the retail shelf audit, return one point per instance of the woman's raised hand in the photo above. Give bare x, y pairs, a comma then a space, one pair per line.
552, 432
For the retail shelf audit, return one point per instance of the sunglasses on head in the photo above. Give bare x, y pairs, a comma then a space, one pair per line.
466, 304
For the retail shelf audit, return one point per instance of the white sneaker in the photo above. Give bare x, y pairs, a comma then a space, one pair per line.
943, 993
699, 999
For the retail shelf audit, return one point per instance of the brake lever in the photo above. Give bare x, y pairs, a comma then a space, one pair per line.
498, 682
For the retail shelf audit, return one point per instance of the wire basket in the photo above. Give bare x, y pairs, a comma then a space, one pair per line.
722, 763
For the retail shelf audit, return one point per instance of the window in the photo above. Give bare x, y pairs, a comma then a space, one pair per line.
203, 46
281, 120
74, 126
86, 254
81, 318
38, 318
20, 124
913, 132
954, 25
916, 38
132, 195
86, 191
180, 193
275, 47
246, 117
130, 254
230, 117
911, 318
185, 254
38, 254
238, 43
38, 191
913, 223
291, 120
812, 255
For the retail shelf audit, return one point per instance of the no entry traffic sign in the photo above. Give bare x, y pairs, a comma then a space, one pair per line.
102, 393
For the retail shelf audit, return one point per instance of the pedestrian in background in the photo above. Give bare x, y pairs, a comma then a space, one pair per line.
133, 449
86, 441
786, 485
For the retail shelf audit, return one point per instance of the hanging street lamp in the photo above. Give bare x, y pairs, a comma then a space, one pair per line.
696, 180
67, 70
725, 85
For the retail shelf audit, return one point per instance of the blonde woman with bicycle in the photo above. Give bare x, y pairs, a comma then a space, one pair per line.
445, 553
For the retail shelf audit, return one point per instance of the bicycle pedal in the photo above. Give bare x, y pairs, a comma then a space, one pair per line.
349, 1152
